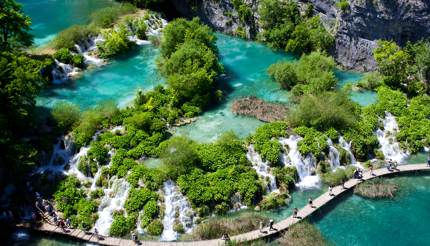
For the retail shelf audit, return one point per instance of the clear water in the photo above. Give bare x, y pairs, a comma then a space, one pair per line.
117, 81
51, 16
404, 220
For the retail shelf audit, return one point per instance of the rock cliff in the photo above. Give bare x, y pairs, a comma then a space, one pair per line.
356, 29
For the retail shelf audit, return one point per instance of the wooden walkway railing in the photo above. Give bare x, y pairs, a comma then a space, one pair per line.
249, 236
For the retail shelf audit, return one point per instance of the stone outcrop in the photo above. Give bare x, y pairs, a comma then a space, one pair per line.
356, 30
264, 111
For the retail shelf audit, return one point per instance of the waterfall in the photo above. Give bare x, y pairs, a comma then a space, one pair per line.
100, 169
114, 199
61, 154
136, 40
333, 155
62, 72
262, 168
73, 169
175, 202
85, 47
305, 166
347, 147
387, 139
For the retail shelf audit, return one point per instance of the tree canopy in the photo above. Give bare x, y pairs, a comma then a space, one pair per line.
14, 25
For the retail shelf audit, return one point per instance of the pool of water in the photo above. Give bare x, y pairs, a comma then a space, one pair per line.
405, 220
51, 16
117, 81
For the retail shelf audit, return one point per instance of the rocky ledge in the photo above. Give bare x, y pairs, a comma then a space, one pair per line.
264, 111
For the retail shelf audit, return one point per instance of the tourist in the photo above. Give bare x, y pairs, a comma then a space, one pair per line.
371, 170
389, 165
61, 224
295, 212
133, 237
395, 164
225, 237
428, 160
68, 223
96, 233
261, 226
311, 202
55, 219
271, 225
330, 191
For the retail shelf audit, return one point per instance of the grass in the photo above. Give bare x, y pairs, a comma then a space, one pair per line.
303, 234
216, 227
377, 188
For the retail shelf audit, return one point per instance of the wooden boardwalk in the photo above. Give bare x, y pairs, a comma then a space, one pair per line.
249, 236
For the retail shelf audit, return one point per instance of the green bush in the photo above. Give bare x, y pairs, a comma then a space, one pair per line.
98, 153
71, 36
150, 212
313, 142
263, 143
273, 201
284, 73
106, 17
370, 81
121, 225
66, 115
286, 177
155, 228
324, 111
343, 5
137, 198
116, 42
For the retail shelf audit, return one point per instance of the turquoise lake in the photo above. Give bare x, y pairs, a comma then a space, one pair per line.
353, 221
52, 16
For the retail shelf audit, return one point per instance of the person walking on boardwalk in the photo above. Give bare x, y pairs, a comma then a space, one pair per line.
330, 191
371, 170
311, 203
225, 238
271, 225
261, 226
295, 212
428, 160
68, 223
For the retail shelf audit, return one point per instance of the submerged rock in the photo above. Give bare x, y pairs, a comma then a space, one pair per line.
264, 111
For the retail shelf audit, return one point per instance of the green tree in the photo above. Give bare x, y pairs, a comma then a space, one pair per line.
14, 25
66, 115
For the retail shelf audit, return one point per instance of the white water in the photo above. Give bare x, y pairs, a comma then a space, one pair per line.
175, 202
262, 168
333, 155
100, 169
73, 168
305, 166
114, 199
387, 139
62, 72
61, 154
347, 147
85, 47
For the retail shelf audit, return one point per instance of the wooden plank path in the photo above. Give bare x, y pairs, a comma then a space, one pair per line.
252, 235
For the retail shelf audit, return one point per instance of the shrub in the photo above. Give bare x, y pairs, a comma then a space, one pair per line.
66, 115
325, 111
155, 228
284, 73
371, 81
303, 234
116, 42
343, 5
274, 200
286, 177
71, 36
122, 225
106, 17
150, 212
137, 198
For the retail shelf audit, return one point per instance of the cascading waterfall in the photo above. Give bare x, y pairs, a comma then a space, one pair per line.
85, 47
61, 154
347, 147
387, 139
113, 200
333, 155
74, 162
305, 166
100, 169
62, 72
175, 203
262, 168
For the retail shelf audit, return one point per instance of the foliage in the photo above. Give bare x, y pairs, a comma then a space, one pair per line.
66, 115
71, 36
371, 81
273, 200
214, 190
284, 28
265, 142
122, 225
343, 5
216, 227
284, 73
14, 25
338, 176
137, 198
65, 56
244, 11
155, 228
303, 234
324, 111
286, 177
98, 153
116, 42
226, 151
313, 142
150, 212
22, 78
151, 178
107, 16
178, 155
377, 188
